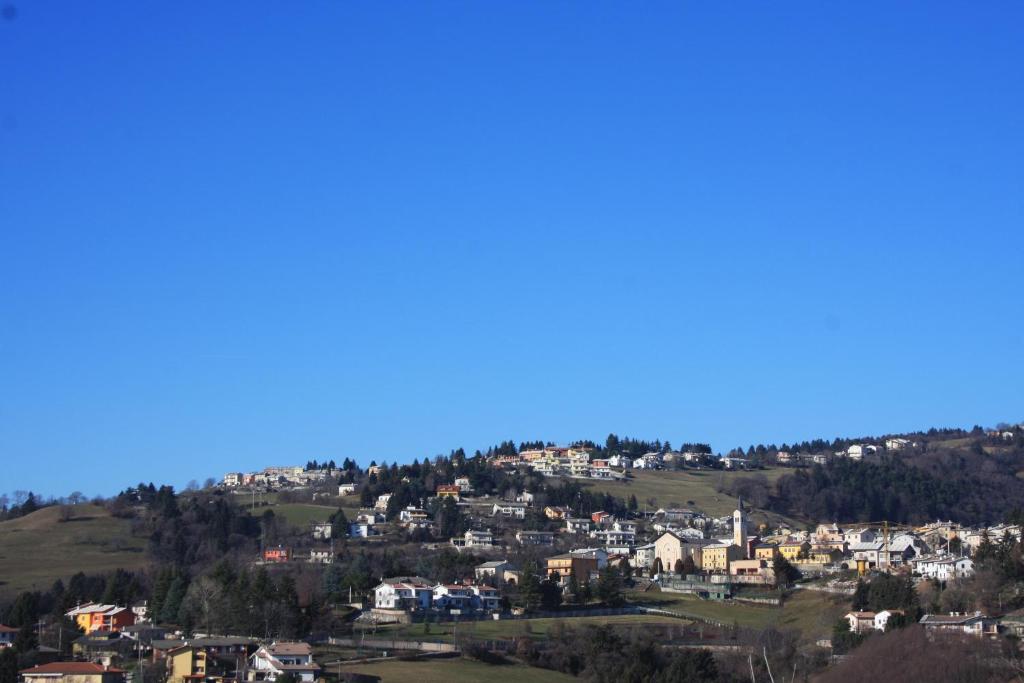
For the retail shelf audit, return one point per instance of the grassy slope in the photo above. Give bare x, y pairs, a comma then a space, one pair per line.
676, 488
300, 514
512, 628
38, 549
456, 671
813, 613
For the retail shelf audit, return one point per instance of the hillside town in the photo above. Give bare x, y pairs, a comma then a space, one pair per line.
463, 543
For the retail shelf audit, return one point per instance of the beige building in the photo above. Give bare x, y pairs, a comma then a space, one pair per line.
718, 556
669, 548
790, 549
73, 672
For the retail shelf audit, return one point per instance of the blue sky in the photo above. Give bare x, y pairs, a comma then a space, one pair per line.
243, 233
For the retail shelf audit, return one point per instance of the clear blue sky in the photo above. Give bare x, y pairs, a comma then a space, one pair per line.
249, 233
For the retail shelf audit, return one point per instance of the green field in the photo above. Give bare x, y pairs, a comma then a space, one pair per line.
456, 671
299, 514
513, 628
39, 548
687, 488
813, 613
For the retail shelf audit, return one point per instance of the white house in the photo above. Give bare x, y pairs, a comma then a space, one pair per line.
494, 570
976, 624
882, 618
453, 596
346, 489
861, 622
896, 444
579, 525
403, 592
644, 556
611, 537
276, 659
943, 567
321, 531
510, 510
382, 502
535, 537
7, 635
361, 530
474, 539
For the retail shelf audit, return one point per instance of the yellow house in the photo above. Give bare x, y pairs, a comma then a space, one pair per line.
791, 549
716, 558
186, 664
766, 551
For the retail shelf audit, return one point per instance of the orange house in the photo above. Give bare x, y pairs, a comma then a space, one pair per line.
94, 617
278, 554
449, 491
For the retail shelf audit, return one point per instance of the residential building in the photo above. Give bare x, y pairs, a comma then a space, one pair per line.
612, 537
535, 537
717, 556
412, 514
92, 617
510, 510
382, 501
793, 549
73, 672
362, 530
861, 622
322, 531
346, 489
766, 551
494, 570
474, 539
276, 659
976, 624
557, 512
943, 567
278, 554
882, 618
7, 635
577, 526
567, 564
896, 444
449, 491
403, 592
321, 556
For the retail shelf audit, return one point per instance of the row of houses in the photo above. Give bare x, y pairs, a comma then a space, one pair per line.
412, 593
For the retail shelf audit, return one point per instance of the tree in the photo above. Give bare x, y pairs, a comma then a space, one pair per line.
678, 567
26, 640
550, 595
609, 586
339, 524
689, 566
657, 569
529, 588
8, 665
785, 573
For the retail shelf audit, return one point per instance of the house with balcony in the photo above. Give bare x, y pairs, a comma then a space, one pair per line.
279, 658
403, 592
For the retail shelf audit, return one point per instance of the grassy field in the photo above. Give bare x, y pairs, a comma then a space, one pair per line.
512, 628
686, 488
38, 549
813, 613
456, 671
300, 514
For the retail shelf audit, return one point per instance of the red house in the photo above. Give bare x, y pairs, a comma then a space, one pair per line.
278, 554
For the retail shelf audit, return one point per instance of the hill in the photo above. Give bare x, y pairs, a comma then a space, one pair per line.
39, 548
706, 490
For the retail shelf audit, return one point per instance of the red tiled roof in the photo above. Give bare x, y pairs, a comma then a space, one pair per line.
7, 629
79, 668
